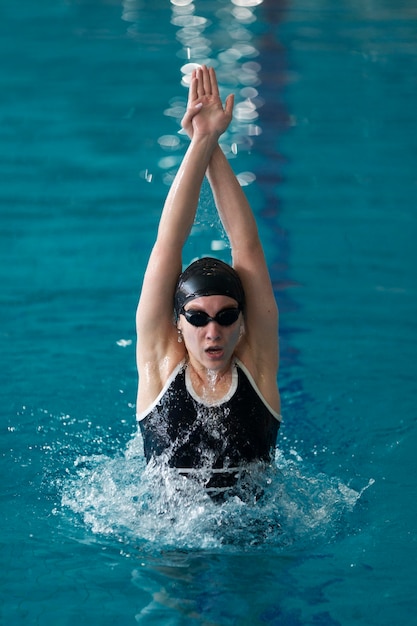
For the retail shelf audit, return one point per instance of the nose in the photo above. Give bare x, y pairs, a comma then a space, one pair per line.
212, 330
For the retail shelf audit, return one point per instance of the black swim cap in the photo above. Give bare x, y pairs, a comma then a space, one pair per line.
208, 277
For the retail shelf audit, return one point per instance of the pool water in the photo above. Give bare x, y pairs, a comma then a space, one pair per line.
324, 142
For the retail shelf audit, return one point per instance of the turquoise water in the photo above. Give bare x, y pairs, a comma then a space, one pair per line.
326, 124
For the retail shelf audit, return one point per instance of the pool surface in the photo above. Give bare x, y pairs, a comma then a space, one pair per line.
324, 142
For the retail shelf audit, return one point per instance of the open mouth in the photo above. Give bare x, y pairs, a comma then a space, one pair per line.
214, 350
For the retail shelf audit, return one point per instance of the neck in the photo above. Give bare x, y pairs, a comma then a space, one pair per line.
210, 383
209, 375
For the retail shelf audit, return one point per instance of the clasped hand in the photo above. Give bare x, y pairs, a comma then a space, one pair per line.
205, 114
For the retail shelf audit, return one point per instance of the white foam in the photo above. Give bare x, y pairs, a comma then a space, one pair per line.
156, 506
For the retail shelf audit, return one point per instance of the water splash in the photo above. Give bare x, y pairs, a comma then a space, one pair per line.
137, 504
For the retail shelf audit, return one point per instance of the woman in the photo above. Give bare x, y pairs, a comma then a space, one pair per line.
208, 399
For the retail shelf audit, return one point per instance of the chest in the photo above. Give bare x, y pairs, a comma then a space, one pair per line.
192, 433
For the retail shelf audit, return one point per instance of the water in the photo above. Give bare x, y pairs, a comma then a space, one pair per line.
91, 97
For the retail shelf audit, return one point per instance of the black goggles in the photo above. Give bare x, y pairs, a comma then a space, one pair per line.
225, 317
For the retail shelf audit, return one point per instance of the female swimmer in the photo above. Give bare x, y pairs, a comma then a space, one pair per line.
207, 338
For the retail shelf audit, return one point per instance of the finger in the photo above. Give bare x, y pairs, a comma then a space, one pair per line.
206, 81
186, 120
192, 93
192, 111
190, 114
228, 105
200, 82
213, 82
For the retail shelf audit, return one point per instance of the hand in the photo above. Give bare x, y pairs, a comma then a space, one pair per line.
205, 114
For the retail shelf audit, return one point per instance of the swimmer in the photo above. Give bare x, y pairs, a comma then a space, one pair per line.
207, 337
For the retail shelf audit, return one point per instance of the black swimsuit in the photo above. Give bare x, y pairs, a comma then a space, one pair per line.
185, 433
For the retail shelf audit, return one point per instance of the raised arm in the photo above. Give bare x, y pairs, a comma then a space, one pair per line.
248, 259
157, 346
260, 348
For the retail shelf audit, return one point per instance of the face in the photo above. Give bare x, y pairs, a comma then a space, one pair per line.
210, 346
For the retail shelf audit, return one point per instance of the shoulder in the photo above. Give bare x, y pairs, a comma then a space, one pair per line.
262, 373
269, 398
155, 370
143, 407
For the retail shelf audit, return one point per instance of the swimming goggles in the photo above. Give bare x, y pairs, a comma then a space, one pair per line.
225, 317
